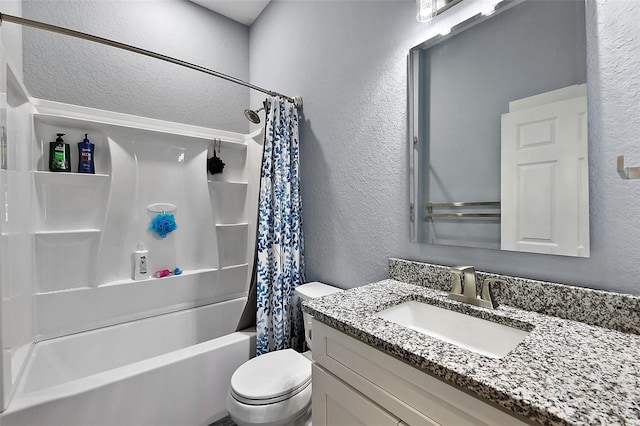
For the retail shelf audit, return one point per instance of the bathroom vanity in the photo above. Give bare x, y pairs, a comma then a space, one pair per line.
354, 383
368, 370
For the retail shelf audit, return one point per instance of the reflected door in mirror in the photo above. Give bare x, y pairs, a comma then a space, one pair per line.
544, 189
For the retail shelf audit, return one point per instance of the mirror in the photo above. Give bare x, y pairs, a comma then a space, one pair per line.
498, 131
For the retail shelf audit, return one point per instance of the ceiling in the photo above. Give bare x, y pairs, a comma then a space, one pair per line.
243, 11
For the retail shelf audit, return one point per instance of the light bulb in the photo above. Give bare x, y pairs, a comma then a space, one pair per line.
426, 10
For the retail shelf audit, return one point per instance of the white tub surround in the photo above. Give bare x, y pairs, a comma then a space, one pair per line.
170, 369
99, 219
81, 307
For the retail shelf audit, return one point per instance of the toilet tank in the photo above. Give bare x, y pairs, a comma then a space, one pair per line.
310, 291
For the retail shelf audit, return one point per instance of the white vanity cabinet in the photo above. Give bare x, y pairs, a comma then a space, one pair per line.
354, 383
336, 403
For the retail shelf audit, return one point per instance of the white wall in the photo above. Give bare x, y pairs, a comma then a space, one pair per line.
348, 60
79, 72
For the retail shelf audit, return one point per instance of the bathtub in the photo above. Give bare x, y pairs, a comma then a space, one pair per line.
172, 369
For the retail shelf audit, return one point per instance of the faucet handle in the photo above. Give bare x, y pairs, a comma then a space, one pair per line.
463, 268
468, 281
456, 278
487, 293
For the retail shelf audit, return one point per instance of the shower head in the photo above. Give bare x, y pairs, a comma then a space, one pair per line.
252, 115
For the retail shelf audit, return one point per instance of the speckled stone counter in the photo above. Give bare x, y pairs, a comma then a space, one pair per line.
596, 307
564, 372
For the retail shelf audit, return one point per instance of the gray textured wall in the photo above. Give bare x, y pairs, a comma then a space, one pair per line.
11, 36
348, 60
79, 72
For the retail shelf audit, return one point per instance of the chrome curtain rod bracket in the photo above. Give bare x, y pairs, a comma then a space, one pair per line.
297, 100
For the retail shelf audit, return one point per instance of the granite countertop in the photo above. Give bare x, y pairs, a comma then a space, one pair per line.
563, 372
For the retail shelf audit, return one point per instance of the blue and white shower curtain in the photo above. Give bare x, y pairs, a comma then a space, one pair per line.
280, 267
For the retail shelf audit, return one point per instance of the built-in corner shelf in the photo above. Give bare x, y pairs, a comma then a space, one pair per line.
68, 232
241, 146
236, 266
46, 127
66, 290
69, 202
232, 225
232, 243
228, 200
225, 183
152, 278
60, 250
43, 174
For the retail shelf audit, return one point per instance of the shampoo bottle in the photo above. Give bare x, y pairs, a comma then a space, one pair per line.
140, 263
59, 155
85, 156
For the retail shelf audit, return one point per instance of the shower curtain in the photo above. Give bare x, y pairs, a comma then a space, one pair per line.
280, 260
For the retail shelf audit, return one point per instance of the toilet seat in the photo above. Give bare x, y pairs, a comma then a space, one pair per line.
271, 378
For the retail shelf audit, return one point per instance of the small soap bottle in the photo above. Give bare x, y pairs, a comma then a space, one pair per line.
59, 155
141, 263
85, 156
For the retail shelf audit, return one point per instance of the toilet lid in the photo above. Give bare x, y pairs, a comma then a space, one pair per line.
271, 377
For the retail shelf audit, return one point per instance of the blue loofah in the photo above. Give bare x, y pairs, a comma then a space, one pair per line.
163, 224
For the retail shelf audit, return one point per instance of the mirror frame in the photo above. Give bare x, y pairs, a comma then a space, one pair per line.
413, 100
414, 131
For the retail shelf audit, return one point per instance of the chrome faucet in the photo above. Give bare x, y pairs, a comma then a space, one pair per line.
465, 287
466, 276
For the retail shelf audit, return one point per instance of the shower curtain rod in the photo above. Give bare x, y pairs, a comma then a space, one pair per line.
297, 100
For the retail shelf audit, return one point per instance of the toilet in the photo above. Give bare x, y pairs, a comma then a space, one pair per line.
274, 389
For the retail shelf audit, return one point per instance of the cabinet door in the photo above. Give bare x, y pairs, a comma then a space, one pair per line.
337, 404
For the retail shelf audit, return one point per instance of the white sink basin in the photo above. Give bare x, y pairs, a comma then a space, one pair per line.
475, 334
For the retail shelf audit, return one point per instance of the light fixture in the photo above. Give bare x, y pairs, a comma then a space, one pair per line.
426, 10
490, 7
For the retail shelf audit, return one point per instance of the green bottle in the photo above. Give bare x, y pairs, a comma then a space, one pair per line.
59, 155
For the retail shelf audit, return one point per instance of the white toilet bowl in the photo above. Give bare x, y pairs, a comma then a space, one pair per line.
274, 389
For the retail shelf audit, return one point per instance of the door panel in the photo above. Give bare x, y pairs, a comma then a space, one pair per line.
544, 191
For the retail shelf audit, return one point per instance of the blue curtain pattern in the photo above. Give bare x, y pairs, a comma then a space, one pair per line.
280, 262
